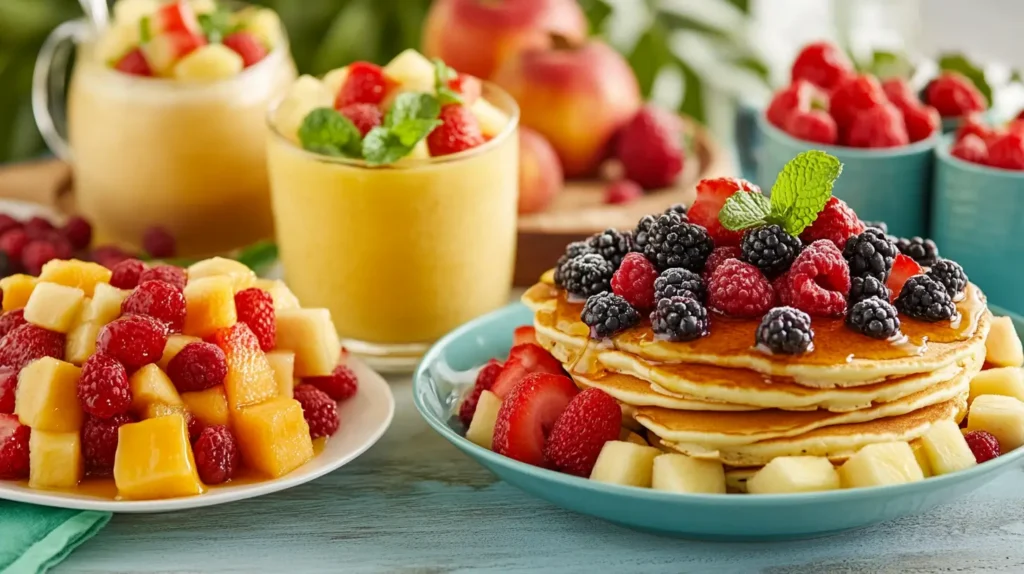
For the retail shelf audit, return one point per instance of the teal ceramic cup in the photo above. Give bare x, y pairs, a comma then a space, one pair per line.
978, 221
891, 184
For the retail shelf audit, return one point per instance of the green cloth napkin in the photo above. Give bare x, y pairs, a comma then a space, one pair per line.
34, 539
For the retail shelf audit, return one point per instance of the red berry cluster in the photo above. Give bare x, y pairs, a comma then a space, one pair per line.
320, 397
999, 147
650, 149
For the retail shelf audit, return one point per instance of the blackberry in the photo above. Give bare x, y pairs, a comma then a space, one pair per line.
951, 275
924, 251
587, 275
611, 244
862, 288
877, 225
678, 209
874, 317
641, 235
870, 254
607, 314
926, 299
680, 319
679, 282
574, 249
675, 243
770, 249
786, 331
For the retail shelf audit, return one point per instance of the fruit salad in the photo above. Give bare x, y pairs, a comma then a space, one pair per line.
189, 40
163, 380
1000, 147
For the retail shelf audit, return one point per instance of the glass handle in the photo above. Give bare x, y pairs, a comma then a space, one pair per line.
48, 85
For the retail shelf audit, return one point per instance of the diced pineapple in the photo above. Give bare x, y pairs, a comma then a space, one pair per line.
1003, 346
210, 406
625, 463
241, 276
156, 410
17, 289
411, 71
264, 23
203, 6
81, 342
492, 120
946, 448
305, 95
879, 464
250, 380
280, 293
627, 435
84, 275
789, 474
273, 436
131, 11
310, 333
105, 305
117, 41
151, 386
208, 63
922, 458
481, 428
54, 307
282, 363
334, 80
209, 306
55, 459
681, 473
1006, 381
1001, 416
47, 396
174, 345
154, 460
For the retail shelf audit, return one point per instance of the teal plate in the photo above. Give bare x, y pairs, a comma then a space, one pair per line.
442, 376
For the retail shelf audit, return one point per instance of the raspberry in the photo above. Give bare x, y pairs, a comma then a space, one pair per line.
925, 299
38, 227
588, 275
953, 95
739, 289
8, 223
125, 275
785, 331
634, 281
813, 126
159, 242
365, 84
874, 317
78, 232
800, 95
650, 148
37, 253
134, 340
572, 250
99, 442
680, 319
719, 256
983, 445
364, 116
899, 92
852, 96
195, 427
770, 249
622, 191
340, 385
819, 281
607, 314
974, 124
247, 46
822, 64
1006, 151
484, 381
612, 245
711, 196
320, 411
835, 222
255, 308
903, 268
924, 251
8, 385
217, 455
862, 288
11, 320
591, 419
27, 343
970, 148
870, 254
109, 255
679, 282
675, 243
951, 275
103, 389
159, 300
878, 127
13, 243
921, 122
198, 366
168, 273
14, 459
459, 131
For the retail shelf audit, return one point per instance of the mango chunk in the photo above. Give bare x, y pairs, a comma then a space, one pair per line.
273, 436
310, 334
17, 289
279, 292
81, 343
154, 460
174, 345
239, 274
250, 380
84, 275
105, 305
55, 460
47, 396
210, 406
151, 386
283, 365
209, 305
54, 307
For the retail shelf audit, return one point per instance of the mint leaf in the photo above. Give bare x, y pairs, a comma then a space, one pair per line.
743, 210
410, 132
216, 25
442, 76
327, 132
802, 188
387, 145
887, 65
145, 31
412, 106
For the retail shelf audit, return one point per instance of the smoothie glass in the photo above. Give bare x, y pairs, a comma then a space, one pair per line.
189, 157
404, 253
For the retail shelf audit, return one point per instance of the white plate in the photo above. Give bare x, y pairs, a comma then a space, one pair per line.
364, 418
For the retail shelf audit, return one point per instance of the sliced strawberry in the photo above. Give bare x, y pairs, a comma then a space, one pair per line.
523, 360
247, 46
711, 196
134, 63
468, 86
592, 418
903, 268
524, 334
484, 381
175, 17
365, 84
459, 131
527, 415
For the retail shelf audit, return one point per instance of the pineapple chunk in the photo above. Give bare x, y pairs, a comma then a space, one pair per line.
17, 289
174, 345
240, 274
280, 293
105, 305
47, 396
789, 474
131, 11
946, 448
54, 307
881, 463
1001, 416
1003, 347
922, 458
681, 473
305, 95
282, 363
629, 436
116, 41
81, 343
625, 463
481, 428
55, 460
334, 80
1006, 381
210, 406
209, 306
491, 119
208, 63
155, 410
151, 386
264, 23
273, 436
412, 71
310, 333
250, 380
84, 275
154, 460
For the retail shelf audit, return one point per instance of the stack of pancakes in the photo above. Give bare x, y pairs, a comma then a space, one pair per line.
722, 398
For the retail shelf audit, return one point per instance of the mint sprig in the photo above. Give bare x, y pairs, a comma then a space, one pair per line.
442, 76
800, 192
326, 131
216, 25
412, 117
145, 29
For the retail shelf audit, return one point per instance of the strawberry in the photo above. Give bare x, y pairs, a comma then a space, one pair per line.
484, 382
365, 84
523, 360
711, 196
822, 64
899, 93
528, 414
469, 87
800, 95
459, 130
954, 95
247, 46
1006, 151
524, 334
813, 126
921, 122
134, 63
970, 148
592, 418
975, 124
364, 116
878, 127
14, 448
903, 268
852, 96
650, 148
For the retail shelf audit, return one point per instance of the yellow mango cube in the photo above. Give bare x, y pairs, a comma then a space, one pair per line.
54, 307
273, 436
209, 305
240, 275
283, 365
174, 345
311, 335
209, 406
250, 380
55, 459
81, 342
47, 396
84, 275
105, 305
17, 289
154, 460
151, 386
279, 292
